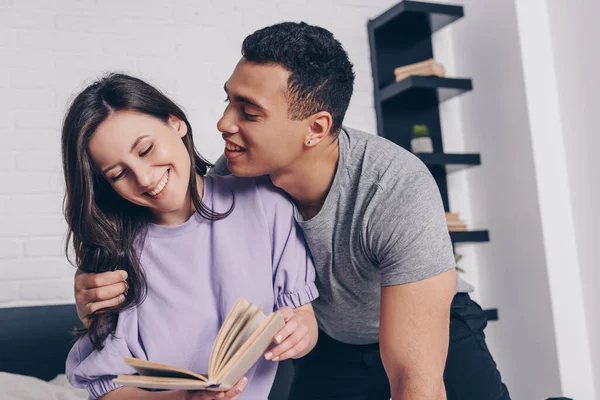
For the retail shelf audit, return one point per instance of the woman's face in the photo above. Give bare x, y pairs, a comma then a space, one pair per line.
146, 162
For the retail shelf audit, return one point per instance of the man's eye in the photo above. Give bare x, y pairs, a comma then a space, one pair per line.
250, 117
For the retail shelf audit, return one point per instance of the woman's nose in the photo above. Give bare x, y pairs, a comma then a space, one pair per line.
143, 176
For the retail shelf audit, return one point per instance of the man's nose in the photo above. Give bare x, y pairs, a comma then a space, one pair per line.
226, 125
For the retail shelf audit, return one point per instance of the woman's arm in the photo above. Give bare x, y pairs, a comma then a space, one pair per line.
299, 335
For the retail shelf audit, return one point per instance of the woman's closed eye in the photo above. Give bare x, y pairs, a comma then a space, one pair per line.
148, 150
118, 176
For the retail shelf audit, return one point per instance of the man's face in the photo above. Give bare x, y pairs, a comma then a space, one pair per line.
259, 137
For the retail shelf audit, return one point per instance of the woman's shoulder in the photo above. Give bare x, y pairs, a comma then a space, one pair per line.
256, 187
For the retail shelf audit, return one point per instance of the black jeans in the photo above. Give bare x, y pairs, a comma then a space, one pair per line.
335, 370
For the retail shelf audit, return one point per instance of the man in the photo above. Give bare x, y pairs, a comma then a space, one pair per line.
373, 219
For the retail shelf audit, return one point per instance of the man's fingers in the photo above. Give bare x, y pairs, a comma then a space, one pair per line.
93, 307
105, 292
90, 281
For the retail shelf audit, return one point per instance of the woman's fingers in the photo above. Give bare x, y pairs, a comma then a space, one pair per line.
237, 389
292, 344
228, 395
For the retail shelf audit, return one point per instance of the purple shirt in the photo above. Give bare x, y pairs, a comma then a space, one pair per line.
195, 272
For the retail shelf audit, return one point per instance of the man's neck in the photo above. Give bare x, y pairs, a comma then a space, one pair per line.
309, 179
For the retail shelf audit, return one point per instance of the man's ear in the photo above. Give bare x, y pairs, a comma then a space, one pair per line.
178, 125
319, 126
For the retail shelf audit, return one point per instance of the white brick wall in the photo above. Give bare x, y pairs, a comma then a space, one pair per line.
50, 49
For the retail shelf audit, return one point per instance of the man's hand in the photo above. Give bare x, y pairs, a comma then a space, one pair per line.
414, 335
299, 335
96, 291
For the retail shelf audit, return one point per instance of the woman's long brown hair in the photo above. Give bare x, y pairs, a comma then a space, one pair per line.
106, 230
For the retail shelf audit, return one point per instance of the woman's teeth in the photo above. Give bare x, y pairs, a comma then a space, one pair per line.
161, 185
233, 147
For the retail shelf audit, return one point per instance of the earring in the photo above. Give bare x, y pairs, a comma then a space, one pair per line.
308, 142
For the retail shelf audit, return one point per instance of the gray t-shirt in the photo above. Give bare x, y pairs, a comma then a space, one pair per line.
382, 224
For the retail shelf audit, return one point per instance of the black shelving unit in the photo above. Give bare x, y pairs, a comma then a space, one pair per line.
432, 88
402, 36
491, 314
452, 162
470, 237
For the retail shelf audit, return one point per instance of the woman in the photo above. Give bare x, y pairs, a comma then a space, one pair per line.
136, 200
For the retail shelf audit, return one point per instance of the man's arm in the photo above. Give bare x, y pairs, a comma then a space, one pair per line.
414, 335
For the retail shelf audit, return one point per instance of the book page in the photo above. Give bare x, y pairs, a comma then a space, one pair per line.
149, 368
155, 382
231, 335
250, 351
244, 334
234, 315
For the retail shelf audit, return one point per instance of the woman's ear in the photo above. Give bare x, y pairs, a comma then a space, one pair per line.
178, 125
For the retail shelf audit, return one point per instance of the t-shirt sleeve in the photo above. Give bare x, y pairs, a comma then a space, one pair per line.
407, 230
93, 369
220, 168
293, 269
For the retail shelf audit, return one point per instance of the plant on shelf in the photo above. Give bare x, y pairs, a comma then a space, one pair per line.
457, 258
421, 141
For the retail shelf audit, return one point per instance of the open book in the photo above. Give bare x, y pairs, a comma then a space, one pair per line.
243, 338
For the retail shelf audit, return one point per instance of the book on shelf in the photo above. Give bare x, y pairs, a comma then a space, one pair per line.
455, 223
244, 336
424, 68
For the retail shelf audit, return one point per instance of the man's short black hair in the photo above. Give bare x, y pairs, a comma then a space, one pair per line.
321, 75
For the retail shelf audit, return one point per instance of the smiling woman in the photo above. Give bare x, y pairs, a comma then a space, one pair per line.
189, 246
119, 138
146, 162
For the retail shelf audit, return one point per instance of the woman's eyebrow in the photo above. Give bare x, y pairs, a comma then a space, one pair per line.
133, 146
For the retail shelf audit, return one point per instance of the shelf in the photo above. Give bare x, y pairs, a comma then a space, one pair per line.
470, 237
402, 14
452, 162
434, 88
491, 314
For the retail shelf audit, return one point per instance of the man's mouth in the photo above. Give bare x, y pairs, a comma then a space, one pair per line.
234, 147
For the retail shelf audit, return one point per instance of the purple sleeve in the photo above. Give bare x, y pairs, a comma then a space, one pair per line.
293, 269
93, 369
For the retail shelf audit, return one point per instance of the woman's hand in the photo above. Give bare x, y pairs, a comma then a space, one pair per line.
299, 335
96, 291
231, 394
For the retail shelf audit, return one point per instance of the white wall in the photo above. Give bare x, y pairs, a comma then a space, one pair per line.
50, 49
502, 195
577, 63
530, 115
